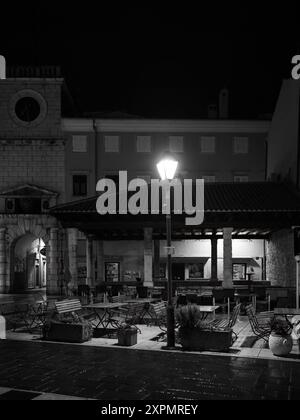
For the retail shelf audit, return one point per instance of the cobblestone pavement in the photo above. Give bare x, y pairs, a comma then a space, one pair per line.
122, 374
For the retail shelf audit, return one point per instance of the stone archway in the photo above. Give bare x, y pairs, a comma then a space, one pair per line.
15, 227
28, 263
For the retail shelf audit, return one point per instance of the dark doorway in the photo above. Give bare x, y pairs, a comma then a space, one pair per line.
178, 270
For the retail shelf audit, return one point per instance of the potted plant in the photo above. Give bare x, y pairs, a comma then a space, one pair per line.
280, 340
127, 335
195, 334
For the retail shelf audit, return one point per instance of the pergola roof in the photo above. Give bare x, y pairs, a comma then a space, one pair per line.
259, 207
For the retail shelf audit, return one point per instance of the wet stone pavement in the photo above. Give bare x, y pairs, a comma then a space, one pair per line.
122, 374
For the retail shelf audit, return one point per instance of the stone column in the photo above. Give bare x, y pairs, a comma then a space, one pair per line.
3, 260
148, 258
156, 259
72, 254
53, 263
100, 261
89, 261
214, 258
227, 256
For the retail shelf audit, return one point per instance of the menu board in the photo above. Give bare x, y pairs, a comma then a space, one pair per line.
239, 271
112, 272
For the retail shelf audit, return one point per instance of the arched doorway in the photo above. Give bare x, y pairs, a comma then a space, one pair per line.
28, 263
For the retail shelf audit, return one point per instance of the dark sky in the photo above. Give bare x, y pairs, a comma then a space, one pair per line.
153, 62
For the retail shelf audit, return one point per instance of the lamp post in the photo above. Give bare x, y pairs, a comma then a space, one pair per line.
167, 167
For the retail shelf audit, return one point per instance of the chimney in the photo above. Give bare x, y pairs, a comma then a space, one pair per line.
223, 104
212, 112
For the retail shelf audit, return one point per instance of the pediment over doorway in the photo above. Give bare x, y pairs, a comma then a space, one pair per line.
27, 190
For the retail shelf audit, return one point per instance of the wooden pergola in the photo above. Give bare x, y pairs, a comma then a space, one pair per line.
232, 211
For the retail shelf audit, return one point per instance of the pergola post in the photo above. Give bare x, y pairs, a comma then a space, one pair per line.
72, 254
214, 258
148, 258
3, 260
227, 256
100, 261
52, 280
89, 260
156, 264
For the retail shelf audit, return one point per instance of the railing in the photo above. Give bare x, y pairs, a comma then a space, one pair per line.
33, 71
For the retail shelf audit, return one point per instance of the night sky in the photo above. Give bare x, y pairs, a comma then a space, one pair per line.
151, 62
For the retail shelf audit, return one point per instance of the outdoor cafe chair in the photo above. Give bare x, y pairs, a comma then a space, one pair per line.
142, 292
262, 298
260, 324
221, 299
129, 314
224, 324
181, 300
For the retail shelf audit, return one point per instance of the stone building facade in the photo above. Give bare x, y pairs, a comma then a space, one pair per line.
32, 178
47, 160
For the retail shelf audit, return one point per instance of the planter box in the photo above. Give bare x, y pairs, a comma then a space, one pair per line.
200, 340
70, 333
128, 338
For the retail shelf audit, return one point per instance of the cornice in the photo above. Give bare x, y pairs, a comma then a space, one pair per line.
165, 126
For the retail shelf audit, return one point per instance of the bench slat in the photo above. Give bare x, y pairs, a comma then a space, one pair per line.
66, 306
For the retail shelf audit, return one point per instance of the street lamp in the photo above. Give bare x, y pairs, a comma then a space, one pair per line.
167, 167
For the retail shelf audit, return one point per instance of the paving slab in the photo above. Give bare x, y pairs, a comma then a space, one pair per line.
113, 373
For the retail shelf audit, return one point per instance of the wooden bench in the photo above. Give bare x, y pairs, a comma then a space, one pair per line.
224, 324
75, 330
72, 306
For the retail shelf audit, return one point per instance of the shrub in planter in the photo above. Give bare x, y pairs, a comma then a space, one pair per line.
280, 340
127, 335
195, 334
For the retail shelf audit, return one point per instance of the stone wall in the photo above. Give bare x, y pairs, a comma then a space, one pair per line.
38, 162
280, 261
49, 89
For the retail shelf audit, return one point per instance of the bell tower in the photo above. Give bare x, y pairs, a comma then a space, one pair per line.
32, 176
30, 104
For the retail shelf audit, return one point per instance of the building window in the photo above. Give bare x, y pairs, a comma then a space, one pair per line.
208, 144
112, 144
241, 178
143, 144
240, 145
79, 185
209, 178
79, 144
176, 144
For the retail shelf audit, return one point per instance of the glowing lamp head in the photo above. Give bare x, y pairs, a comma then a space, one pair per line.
167, 167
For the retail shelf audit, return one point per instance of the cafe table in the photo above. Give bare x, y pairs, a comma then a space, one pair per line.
286, 312
207, 310
103, 312
244, 294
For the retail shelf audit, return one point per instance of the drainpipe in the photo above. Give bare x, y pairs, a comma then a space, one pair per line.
95, 151
266, 158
